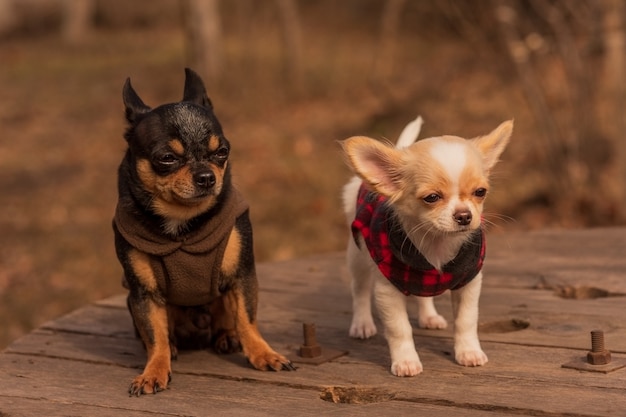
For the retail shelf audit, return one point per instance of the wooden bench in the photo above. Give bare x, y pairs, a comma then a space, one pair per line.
543, 293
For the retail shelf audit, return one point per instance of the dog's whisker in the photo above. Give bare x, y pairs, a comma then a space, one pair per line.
488, 220
415, 232
498, 216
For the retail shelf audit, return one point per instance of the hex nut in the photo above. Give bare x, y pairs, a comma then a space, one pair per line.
310, 351
599, 358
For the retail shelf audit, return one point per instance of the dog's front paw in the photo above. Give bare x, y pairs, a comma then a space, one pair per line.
227, 341
270, 360
471, 358
435, 322
149, 383
406, 367
362, 329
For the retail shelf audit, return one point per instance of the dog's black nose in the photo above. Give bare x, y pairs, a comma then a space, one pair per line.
205, 179
463, 218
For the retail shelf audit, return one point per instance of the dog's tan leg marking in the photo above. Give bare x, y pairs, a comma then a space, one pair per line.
232, 254
153, 329
255, 348
140, 263
467, 350
156, 374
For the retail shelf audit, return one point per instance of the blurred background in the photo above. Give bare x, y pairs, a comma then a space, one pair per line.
289, 79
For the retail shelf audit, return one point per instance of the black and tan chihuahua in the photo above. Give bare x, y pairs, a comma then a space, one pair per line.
184, 238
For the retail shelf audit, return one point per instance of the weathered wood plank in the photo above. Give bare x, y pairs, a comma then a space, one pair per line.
505, 360
27, 407
367, 364
589, 257
96, 320
99, 390
551, 321
124, 352
496, 387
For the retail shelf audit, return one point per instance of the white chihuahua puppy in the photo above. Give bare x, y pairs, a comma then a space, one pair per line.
415, 213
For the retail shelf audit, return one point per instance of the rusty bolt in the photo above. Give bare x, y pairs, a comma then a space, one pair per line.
310, 348
598, 355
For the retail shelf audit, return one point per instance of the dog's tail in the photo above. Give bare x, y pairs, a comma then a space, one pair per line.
410, 133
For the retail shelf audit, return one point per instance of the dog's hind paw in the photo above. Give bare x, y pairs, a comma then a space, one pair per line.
362, 329
226, 341
471, 358
435, 322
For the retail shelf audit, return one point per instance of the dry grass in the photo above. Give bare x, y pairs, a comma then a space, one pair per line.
61, 118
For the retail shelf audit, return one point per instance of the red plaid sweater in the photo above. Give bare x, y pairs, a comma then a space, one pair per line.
399, 260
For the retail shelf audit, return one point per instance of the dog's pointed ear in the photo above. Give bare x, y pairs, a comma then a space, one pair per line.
134, 105
194, 91
377, 164
493, 144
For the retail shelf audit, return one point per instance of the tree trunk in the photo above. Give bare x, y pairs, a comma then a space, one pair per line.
614, 90
77, 19
292, 41
385, 52
204, 37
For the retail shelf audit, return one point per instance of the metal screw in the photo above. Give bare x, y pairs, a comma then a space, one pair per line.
310, 348
598, 355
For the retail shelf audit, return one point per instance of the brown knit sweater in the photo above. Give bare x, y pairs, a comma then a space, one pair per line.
187, 269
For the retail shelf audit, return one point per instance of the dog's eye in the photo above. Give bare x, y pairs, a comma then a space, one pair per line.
480, 192
168, 159
432, 198
222, 153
